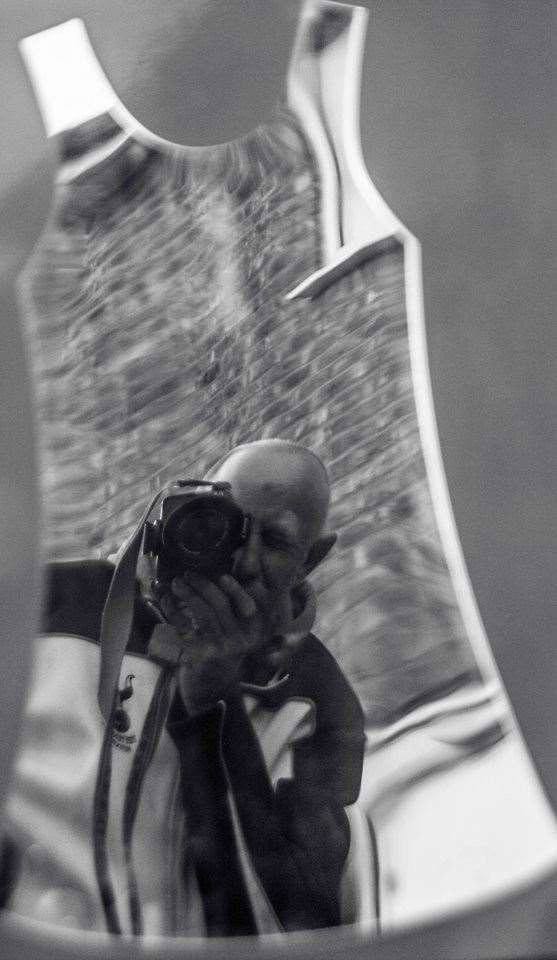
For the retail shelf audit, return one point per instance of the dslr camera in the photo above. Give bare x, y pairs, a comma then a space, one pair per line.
197, 529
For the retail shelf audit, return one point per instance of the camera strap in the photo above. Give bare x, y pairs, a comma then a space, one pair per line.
117, 617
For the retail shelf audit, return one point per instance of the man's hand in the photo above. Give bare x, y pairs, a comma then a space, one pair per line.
217, 623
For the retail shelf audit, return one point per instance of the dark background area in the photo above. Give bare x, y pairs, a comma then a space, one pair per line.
457, 118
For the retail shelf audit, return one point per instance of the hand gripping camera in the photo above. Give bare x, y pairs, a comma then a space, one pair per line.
198, 529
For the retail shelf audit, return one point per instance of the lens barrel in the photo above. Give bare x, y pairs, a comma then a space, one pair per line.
202, 533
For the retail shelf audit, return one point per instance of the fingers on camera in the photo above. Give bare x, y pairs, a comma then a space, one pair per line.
227, 598
243, 604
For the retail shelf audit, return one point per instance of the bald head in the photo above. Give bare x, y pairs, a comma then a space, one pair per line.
280, 472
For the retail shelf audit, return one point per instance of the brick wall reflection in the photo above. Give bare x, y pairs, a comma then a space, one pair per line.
155, 308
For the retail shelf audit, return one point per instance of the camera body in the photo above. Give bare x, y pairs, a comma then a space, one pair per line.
196, 529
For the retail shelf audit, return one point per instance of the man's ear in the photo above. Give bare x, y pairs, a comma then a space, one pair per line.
318, 551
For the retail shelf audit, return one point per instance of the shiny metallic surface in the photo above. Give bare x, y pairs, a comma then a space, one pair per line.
451, 138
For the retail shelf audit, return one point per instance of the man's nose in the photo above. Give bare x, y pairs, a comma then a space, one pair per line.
246, 564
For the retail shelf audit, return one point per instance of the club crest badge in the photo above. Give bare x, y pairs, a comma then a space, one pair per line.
121, 724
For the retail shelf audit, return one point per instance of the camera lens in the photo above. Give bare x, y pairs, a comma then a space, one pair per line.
200, 532
202, 528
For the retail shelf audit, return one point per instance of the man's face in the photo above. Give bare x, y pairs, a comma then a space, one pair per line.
270, 487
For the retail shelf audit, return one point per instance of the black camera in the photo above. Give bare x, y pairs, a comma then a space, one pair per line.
198, 529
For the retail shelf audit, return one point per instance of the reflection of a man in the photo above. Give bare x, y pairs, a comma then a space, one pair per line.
219, 808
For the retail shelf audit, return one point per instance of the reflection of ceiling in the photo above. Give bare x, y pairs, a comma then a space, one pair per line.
448, 788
